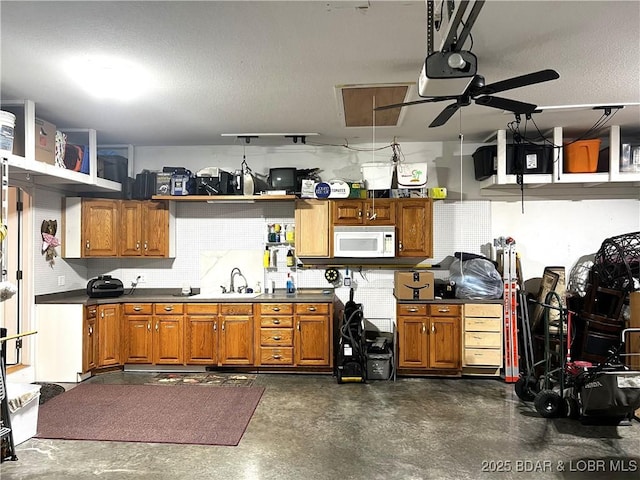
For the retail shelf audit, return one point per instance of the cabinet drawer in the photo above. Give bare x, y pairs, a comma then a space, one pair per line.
412, 309
474, 324
483, 356
276, 356
271, 337
482, 339
312, 308
483, 309
202, 308
168, 308
236, 308
445, 310
138, 309
276, 308
276, 321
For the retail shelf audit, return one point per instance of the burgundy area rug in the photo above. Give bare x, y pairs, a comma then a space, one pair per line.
150, 414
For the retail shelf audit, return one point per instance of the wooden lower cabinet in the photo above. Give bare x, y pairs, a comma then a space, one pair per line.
429, 338
154, 334
108, 327
236, 334
201, 334
313, 334
90, 339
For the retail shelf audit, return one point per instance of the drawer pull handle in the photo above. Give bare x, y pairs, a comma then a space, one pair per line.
277, 338
276, 321
312, 309
215, 326
444, 310
413, 309
90, 331
423, 328
277, 357
433, 328
137, 309
157, 326
149, 326
168, 309
276, 309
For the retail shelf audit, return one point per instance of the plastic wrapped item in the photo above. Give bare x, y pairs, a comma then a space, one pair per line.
476, 279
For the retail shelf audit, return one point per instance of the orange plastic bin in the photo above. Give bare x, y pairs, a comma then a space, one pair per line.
581, 156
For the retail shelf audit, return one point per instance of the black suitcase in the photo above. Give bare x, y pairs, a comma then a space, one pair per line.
144, 186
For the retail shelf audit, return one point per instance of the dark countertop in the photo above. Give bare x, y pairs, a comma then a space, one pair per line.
172, 295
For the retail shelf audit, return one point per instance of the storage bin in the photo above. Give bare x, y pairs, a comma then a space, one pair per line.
379, 366
377, 176
581, 156
525, 159
24, 400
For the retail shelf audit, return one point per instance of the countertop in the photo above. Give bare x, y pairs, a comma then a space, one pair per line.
173, 295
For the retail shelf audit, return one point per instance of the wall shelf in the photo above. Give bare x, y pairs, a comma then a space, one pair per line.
223, 198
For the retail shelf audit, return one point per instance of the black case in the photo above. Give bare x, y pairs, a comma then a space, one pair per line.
144, 186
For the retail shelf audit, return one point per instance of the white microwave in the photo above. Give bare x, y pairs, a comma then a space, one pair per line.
364, 242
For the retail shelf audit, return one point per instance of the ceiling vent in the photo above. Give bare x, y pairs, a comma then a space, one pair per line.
358, 101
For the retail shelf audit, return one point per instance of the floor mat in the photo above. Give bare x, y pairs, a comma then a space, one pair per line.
48, 391
213, 379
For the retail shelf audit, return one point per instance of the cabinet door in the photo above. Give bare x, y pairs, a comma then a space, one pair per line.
201, 339
236, 340
348, 212
412, 342
138, 345
130, 228
444, 342
312, 236
99, 227
312, 340
108, 335
414, 221
380, 212
90, 340
155, 229
168, 339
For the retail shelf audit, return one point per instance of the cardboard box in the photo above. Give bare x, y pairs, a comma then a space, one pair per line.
414, 285
45, 142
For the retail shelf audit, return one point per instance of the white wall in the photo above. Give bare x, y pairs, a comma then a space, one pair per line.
549, 232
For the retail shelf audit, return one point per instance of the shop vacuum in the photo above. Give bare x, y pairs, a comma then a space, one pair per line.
351, 359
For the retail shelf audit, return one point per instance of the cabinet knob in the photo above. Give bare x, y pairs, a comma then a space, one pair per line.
277, 338
146, 246
168, 308
157, 326
276, 321
298, 326
277, 357
149, 326
400, 246
223, 326
90, 331
433, 328
137, 245
359, 213
276, 309
215, 326
87, 246
413, 309
423, 328
137, 308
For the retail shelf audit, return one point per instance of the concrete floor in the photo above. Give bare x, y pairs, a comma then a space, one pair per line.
309, 427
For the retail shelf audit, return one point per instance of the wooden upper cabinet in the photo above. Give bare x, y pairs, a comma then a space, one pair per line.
99, 228
130, 228
313, 228
364, 212
414, 228
144, 228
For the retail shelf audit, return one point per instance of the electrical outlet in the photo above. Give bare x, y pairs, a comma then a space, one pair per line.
142, 278
61, 280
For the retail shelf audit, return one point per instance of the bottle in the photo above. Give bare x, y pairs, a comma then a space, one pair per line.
290, 259
289, 234
258, 288
266, 258
290, 286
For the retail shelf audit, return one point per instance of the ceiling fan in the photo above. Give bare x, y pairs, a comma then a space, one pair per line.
482, 94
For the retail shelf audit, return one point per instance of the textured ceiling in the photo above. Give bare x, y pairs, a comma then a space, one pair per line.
240, 66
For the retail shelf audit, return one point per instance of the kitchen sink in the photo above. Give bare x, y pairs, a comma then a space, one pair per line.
224, 296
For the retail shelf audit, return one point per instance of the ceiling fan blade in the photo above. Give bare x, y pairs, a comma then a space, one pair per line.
445, 115
415, 102
517, 82
506, 104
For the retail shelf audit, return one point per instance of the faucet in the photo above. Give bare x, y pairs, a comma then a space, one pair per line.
236, 271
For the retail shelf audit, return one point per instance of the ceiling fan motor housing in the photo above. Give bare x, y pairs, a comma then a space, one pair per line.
439, 79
